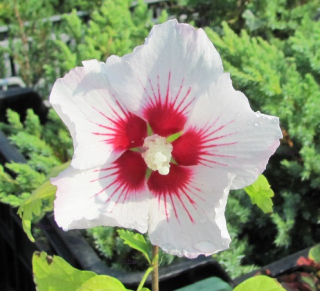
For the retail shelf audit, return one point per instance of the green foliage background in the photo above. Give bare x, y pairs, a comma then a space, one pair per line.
271, 49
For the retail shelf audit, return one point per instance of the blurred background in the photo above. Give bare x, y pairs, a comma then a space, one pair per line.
270, 47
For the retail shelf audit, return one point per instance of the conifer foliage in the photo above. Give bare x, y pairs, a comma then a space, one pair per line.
271, 49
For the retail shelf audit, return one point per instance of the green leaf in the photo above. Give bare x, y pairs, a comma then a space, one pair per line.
309, 281
136, 241
102, 283
56, 170
261, 283
32, 208
261, 193
314, 253
173, 137
252, 21
55, 274
27, 213
213, 283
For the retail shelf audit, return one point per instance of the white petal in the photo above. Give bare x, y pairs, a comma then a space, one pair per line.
174, 64
238, 140
95, 198
85, 103
184, 228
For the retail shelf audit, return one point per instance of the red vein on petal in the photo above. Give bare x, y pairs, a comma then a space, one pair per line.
183, 100
146, 91
104, 177
178, 94
168, 90
101, 113
201, 160
189, 198
218, 137
106, 169
224, 144
125, 179
165, 115
108, 118
124, 111
174, 207
116, 191
154, 94
217, 155
159, 92
127, 132
195, 145
184, 207
207, 128
124, 193
174, 185
114, 111
165, 207
193, 193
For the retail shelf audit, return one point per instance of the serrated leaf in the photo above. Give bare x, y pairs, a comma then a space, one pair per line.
27, 214
102, 283
136, 241
261, 283
32, 208
261, 193
55, 274
314, 253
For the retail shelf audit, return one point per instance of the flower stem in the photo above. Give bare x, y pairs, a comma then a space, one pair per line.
155, 272
144, 278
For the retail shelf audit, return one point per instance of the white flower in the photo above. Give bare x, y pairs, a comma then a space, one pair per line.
177, 191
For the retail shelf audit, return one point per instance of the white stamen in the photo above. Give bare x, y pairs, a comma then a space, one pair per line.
158, 154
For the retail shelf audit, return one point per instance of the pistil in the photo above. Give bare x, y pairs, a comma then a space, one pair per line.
158, 154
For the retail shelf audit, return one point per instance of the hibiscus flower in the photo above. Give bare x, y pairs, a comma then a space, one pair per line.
160, 137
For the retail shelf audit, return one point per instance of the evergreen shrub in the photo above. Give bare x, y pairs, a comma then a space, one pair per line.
271, 49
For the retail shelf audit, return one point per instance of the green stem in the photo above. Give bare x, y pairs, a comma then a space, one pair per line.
155, 272
144, 278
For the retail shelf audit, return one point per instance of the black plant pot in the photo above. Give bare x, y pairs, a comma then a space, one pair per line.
15, 248
19, 100
276, 269
72, 245
16, 252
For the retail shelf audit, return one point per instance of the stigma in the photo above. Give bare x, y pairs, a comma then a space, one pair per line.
158, 154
